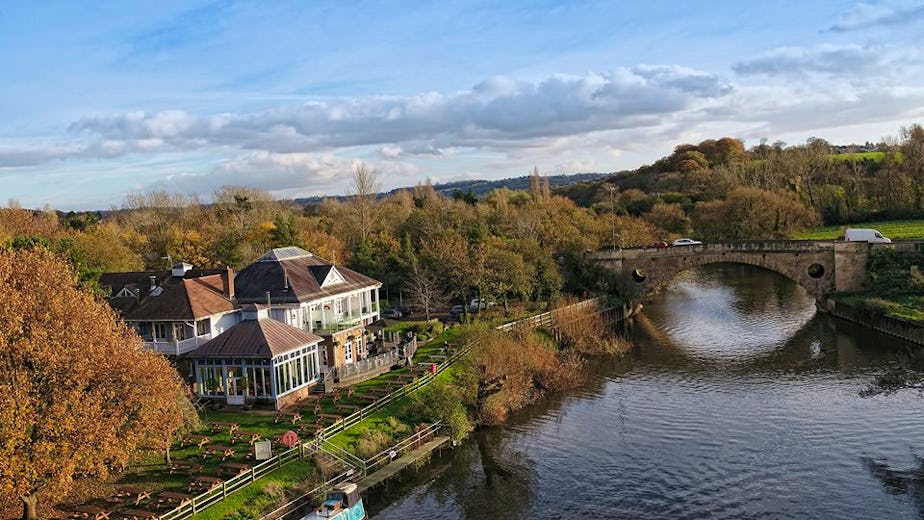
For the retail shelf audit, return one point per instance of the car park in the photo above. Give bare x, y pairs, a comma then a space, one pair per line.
685, 242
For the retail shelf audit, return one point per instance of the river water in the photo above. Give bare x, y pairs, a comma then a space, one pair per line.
738, 401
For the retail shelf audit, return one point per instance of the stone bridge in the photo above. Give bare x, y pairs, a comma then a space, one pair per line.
821, 267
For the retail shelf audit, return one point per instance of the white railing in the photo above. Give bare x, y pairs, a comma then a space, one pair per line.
215, 495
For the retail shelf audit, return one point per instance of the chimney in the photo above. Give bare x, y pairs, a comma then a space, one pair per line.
153, 282
268, 302
227, 280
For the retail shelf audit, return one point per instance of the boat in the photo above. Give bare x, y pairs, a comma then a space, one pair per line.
342, 503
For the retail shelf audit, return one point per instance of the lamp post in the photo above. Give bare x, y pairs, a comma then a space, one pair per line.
612, 190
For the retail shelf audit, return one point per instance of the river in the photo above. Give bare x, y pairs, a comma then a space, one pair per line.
738, 401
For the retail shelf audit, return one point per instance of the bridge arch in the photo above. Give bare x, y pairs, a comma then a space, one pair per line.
811, 265
814, 274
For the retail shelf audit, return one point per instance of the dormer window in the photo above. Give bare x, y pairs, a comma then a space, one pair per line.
333, 278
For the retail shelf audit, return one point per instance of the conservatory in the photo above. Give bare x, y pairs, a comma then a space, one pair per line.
257, 360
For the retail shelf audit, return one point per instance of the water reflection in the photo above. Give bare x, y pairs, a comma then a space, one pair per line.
900, 481
738, 401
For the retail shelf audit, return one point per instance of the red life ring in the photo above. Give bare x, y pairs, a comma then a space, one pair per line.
289, 439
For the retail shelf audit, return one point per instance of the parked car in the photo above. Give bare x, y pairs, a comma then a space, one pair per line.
866, 235
659, 244
477, 305
685, 242
393, 314
404, 310
456, 311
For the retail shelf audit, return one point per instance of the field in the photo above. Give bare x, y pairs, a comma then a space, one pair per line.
890, 228
859, 156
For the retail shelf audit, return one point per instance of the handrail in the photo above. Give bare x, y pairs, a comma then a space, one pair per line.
301, 501
212, 496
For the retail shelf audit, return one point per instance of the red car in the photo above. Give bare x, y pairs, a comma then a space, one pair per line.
658, 244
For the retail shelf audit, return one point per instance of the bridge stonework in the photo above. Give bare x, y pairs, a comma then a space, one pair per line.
819, 267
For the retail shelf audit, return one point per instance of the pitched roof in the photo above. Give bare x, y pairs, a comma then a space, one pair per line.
264, 338
195, 296
293, 275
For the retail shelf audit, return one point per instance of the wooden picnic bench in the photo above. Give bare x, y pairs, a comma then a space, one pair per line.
226, 451
181, 499
251, 437
353, 407
139, 514
141, 496
85, 511
233, 468
198, 440
311, 428
367, 397
334, 418
183, 465
379, 391
231, 426
205, 482
293, 417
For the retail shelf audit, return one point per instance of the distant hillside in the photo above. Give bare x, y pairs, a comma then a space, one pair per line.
481, 187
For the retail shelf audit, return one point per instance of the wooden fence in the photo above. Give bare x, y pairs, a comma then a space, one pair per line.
218, 493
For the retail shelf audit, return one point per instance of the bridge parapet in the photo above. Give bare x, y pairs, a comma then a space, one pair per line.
821, 267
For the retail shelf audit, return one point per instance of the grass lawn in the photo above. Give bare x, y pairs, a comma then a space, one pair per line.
890, 228
151, 473
907, 307
254, 501
859, 156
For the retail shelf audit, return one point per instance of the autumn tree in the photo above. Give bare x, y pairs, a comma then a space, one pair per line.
365, 188
78, 393
425, 290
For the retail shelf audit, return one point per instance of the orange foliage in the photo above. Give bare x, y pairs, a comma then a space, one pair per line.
78, 394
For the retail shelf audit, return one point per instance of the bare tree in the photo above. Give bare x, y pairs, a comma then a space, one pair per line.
364, 190
425, 289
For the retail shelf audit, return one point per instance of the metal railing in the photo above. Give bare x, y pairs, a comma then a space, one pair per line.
218, 493
417, 438
305, 500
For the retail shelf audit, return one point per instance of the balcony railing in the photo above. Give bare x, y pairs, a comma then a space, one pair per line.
176, 348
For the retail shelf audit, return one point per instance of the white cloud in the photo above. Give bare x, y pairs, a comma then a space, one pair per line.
282, 174
866, 62
497, 112
863, 15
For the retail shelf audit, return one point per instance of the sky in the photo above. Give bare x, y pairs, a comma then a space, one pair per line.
99, 100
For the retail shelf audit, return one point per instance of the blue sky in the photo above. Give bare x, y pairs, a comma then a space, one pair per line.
98, 100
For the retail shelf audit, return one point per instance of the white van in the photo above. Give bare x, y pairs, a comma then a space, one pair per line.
865, 235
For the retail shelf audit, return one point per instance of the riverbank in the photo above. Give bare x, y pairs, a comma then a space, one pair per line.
738, 401
868, 312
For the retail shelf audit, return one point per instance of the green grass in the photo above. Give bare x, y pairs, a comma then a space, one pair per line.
908, 307
890, 228
253, 499
152, 474
859, 156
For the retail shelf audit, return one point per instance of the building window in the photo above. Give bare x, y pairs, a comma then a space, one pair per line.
296, 370
348, 352
160, 331
203, 327
179, 331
